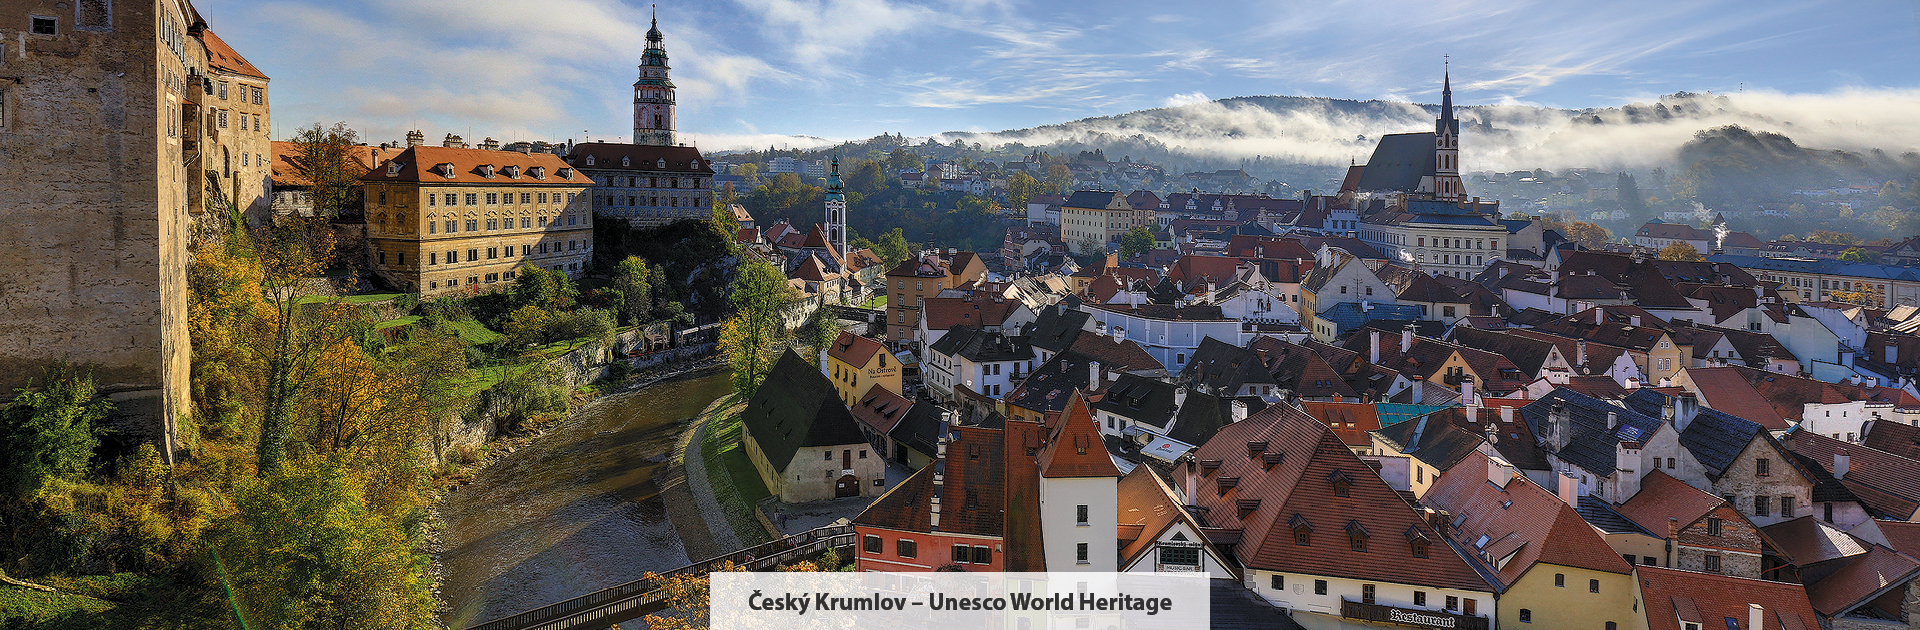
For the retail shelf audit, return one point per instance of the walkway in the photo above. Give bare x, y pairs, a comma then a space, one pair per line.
695, 466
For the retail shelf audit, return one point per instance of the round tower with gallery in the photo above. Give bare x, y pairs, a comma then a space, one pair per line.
653, 100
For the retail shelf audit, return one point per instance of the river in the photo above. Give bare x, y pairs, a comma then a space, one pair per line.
575, 511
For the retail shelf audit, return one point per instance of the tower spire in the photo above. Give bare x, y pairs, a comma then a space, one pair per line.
653, 94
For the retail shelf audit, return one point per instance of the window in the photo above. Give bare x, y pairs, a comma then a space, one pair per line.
1366, 593
1419, 598
1713, 526
1786, 506
45, 26
1302, 537
473, 255
1761, 505
1080, 553
1453, 603
1593, 586
983, 555
872, 544
962, 555
257, 95
1279, 582
453, 256
1762, 467
1526, 616
223, 119
905, 548
1711, 563
493, 252
223, 94
1319, 587
1080, 513
1560, 580
493, 224
1670, 463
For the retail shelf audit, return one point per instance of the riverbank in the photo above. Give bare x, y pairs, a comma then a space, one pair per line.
532, 491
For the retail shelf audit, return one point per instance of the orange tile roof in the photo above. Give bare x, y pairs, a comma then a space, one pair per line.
980, 311
1147, 505
1727, 389
416, 164
1350, 421
1672, 596
971, 491
1522, 519
1862, 578
1662, 497
1026, 545
287, 160
881, 409
1076, 449
222, 57
854, 350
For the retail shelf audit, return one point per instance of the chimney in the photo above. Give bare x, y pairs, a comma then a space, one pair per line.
1569, 488
490, 144
1239, 410
1613, 420
1560, 425
1685, 407
1419, 390
1119, 334
1093, 375
1756, 617
453, 142
1633, 320
415, 138
1498, 473
1406, 339
1191, 475
1842, 464
1179, 397
1599, 316
1373, 355
1581, 353
1506, 414
1626, 466
1466, 394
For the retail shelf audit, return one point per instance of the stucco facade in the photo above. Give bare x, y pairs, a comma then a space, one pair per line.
1555, 596
1061, 501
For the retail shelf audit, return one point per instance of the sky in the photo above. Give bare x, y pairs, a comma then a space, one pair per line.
753, 73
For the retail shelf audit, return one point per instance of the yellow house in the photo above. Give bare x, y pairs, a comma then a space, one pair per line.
855, 364
1432, 444
1553, 570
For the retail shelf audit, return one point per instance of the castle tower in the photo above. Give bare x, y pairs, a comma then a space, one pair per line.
836, 211
653, 94
1446, 147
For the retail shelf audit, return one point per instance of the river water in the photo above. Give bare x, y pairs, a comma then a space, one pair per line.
575, 511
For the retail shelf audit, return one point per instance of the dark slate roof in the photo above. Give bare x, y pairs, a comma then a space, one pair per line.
1051, 384
1826, 489
1530, 355
1716, 438
1096, 199
982, 346
920, 428
1055, 329
795, 407
1591, 446
1201, 416
1398, 162
1432, 440
1221, 367
1234, 607
1142, 399
1599, 514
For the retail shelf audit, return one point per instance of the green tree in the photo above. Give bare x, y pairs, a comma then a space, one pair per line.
903, 160
534, 285
1136, 241
1682, 252
632, 278
324, 157
583, 325
304, 550
289, 253
1021, 189
868, 177
1628, 193
1855, 254
1831, 237
760, 297
1059, 178
50, 433
750, 173
527, 326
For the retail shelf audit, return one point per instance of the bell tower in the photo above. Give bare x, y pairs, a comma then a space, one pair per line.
653, 94
836, 211
1446, 146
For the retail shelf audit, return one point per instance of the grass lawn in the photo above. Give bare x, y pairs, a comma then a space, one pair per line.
396, 322
77, 607
364, 298
727, 465
878, 301
486, 377
473, 332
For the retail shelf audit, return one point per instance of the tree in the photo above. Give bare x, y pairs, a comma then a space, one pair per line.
868, 177
1831, 237
1059, 178
1629, 195
527, 326
289, 253
632, 278
760, 297
1021, 189
534, 285
50, 433
1136, 241
1680, 251
903, 160
1855, 254
325, 159
750, 173
1588, 235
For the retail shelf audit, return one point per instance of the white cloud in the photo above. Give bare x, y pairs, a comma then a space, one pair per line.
1190, 98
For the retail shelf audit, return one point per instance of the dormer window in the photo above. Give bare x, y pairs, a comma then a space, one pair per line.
1208, 466
393, 169
1417, 542
1271, 459
486, 170
1255, 448
626, 161
1248, 506
694, 164
1356, 537
538, 172
1302, 530
513, 171
589, 160
1225, 484
565, 173
445, 169
661, 163
1340, 482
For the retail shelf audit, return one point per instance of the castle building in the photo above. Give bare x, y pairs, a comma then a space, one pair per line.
119, 130
453, 220
653, 94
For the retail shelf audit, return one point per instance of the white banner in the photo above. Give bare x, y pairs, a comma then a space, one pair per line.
959, 601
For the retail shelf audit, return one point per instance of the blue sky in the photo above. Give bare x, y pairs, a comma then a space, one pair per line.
753, 71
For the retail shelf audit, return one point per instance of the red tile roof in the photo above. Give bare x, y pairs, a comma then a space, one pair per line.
1861, 579
854, 350
1728, 389
880, 409
1299, 491
1884, 481
288, 159
1149, 506
1662, 497
980, 311
417, 164
1114, 354
1076, 449
222, 57
1521, 519
1350, 421
1026, 545
972, 499
1707, 599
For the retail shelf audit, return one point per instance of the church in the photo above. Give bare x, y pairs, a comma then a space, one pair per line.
1415, 208
654, 180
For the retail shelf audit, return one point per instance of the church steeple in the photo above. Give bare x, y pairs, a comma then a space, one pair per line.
1446, 144
653, 98
836, 203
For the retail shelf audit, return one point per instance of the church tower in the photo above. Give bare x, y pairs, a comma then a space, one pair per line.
653, 94
1446, 147
836, 211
